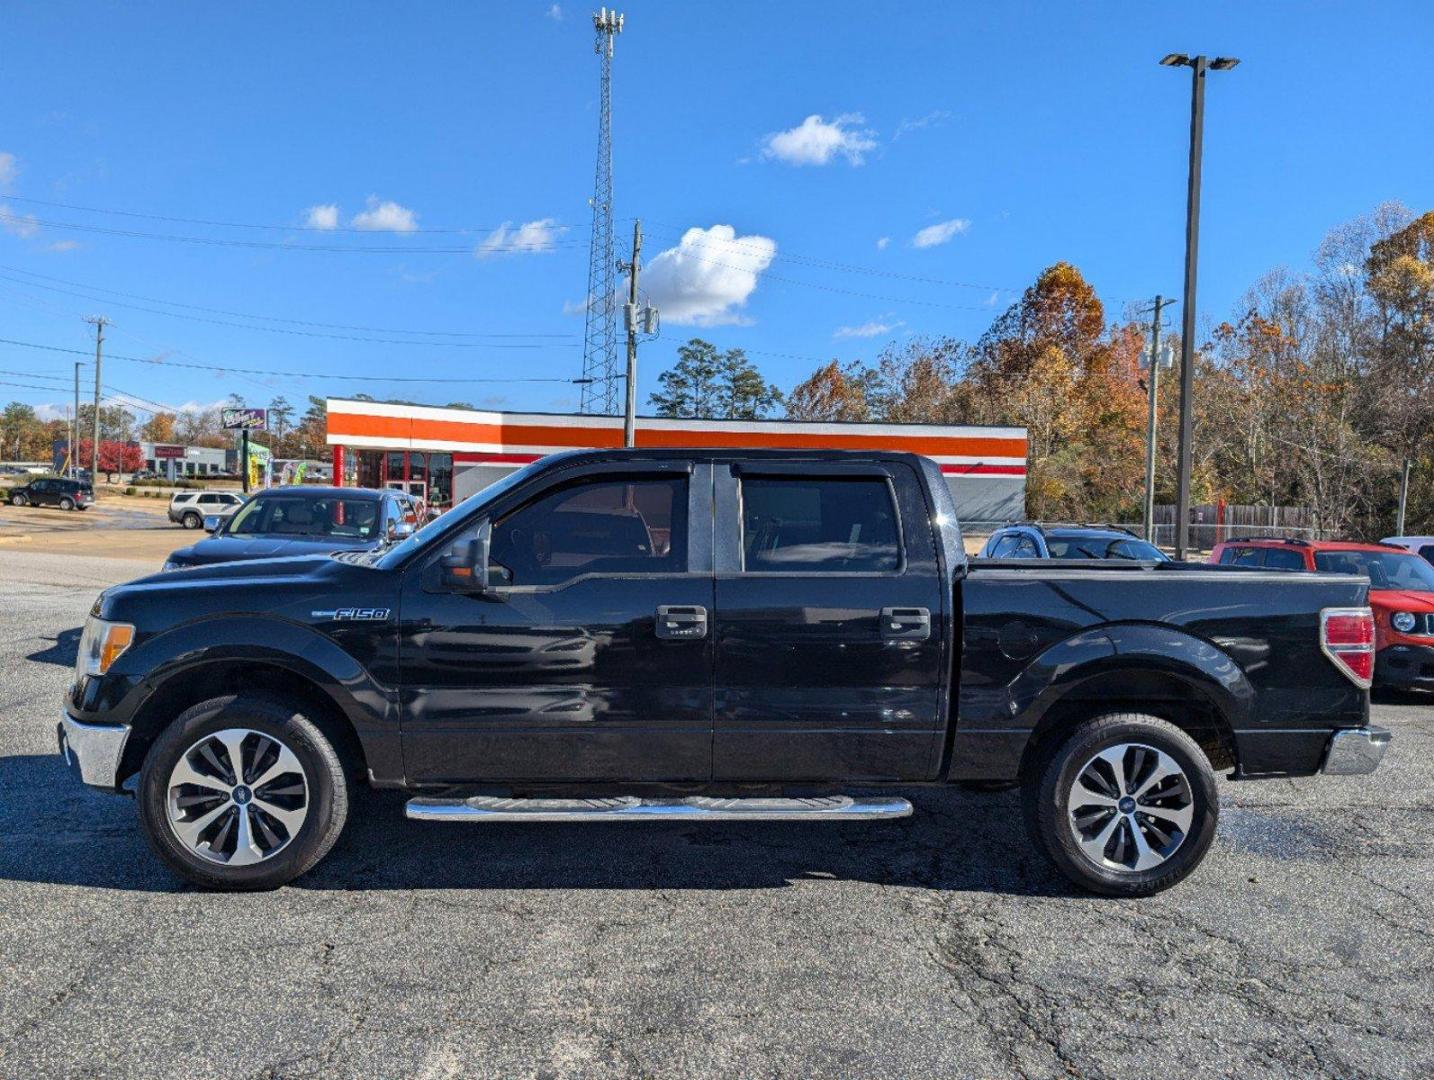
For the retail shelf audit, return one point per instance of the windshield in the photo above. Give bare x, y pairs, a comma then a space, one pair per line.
463, 511
346, 517
1385, 569
1103, 547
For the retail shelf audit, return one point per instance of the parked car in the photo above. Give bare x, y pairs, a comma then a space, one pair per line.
706, 635
1423, 546
1401, 594
1029, 540
145, 474
58, 491
190, 508
301, 521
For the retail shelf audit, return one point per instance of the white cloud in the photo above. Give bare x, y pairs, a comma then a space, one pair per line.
869, 329
555, 13
62, 246
881, 242
935, 118
816, 142
707, 276
530, 238
9, 168
322, 216
16, 223
385, 217
940, 233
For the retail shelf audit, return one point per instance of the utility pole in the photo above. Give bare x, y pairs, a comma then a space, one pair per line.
629, 416
75, 427
98, 322
1198, 66
1403, 496
1154, 382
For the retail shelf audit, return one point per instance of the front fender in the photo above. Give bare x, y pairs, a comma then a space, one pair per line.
157, 661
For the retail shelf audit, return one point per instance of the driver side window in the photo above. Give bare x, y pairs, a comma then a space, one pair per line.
631, 526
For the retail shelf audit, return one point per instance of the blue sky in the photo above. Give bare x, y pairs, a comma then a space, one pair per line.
1004, 136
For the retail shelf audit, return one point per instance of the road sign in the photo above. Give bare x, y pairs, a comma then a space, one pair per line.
246, 419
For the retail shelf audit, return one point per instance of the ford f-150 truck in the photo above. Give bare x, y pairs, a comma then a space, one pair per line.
684, 635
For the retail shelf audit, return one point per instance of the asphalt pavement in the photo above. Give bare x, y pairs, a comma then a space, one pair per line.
939, 945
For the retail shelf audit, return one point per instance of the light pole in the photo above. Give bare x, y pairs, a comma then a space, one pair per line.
1198, 65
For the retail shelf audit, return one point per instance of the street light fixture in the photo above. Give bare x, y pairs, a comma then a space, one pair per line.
1198, 66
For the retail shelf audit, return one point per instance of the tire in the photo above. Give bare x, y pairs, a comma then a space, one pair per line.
191, 520
199, 741
19, 500
66, 503
1118, 846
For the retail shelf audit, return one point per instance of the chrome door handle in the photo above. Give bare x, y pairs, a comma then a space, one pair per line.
905, 623
681, 622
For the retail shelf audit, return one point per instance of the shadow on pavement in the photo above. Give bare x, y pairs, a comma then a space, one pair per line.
64, 650
54, 830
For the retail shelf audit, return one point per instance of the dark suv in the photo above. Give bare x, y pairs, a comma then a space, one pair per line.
53, 491
1029, 540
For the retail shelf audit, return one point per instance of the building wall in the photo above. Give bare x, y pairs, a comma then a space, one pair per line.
985, 467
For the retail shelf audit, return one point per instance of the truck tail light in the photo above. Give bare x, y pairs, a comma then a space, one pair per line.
1346, 636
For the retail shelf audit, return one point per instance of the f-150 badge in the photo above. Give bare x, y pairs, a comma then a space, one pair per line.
353, 614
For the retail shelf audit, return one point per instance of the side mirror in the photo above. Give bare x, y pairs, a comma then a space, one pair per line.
212, 522
399, 530
465, 568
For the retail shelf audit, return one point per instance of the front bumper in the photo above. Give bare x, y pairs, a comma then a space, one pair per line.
1355, 751
92, 750
1404, 667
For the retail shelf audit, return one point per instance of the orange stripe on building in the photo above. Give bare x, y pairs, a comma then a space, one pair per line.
518, 435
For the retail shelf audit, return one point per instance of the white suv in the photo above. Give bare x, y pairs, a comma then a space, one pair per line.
190, 508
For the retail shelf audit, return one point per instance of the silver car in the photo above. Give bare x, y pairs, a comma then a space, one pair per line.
190, 508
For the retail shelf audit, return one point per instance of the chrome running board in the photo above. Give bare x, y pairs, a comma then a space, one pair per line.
632, 808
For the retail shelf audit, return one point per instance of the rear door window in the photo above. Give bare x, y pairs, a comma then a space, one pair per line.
832, 525
1284, 559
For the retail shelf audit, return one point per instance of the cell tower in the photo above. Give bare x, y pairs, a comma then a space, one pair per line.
600, 364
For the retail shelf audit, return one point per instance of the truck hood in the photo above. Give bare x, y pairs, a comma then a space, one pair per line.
292, 588
219, 549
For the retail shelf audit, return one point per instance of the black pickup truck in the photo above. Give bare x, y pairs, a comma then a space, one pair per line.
687, 635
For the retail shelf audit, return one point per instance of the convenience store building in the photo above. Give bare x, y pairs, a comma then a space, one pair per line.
446, 454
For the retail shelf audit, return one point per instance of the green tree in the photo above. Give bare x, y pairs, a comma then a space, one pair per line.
707, 384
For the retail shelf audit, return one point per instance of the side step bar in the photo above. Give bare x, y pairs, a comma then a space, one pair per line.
632, 808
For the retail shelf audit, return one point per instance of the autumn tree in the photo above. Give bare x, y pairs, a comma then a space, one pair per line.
159, 428
834, 392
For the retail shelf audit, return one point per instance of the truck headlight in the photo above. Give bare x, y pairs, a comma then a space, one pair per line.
169, 564
1404, 622
101, 644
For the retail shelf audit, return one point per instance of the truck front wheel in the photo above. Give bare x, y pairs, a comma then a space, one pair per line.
242, 793
1125, 805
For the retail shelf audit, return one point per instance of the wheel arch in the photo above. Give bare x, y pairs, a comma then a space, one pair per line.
1154, 669
221, 677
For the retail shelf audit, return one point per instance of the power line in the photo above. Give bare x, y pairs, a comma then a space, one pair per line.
452, 230
27, 221
225, 368
275, 318
830, 264
288, 330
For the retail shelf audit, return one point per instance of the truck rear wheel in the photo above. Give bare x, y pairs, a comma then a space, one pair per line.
242, 793
1125, 805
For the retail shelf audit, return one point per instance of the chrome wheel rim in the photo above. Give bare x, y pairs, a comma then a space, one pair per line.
237, 797
1130, 808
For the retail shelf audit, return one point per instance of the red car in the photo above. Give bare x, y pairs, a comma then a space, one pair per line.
1401, 592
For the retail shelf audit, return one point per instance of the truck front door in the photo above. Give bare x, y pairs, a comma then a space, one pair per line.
831, 619
589, 658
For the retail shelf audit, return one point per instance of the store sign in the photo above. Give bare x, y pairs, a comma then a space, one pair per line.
246, 419
162, 453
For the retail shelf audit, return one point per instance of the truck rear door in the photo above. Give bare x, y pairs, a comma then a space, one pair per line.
830, 612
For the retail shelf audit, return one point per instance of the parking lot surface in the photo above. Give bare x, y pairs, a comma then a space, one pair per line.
938, 945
